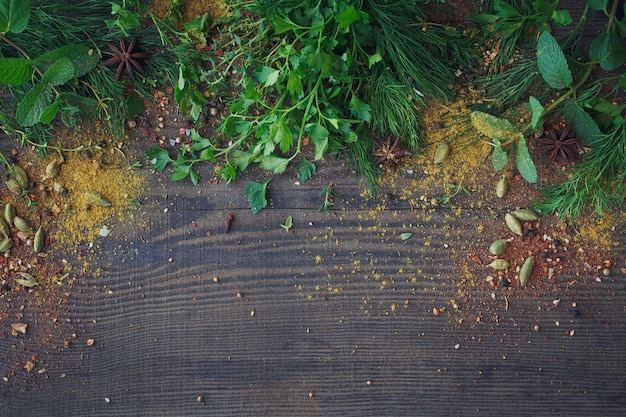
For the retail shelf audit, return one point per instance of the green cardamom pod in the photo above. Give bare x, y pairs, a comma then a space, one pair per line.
6, 244
53, 169
22, 225
9, 213
499, 264
499, 246
526, 270
4, 228
513, 223
14, 186
525, 214
39, 240
20, 176
502, 187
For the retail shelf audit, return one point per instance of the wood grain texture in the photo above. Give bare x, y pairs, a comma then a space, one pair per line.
329, 316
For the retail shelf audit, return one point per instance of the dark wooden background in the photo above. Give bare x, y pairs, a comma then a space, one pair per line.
166, 333
323, 325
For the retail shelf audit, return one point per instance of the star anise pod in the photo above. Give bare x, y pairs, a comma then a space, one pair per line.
389, 152
559, 145
126, 59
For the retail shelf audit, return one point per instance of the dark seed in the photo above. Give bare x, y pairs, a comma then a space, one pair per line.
575, 313
556, 242
504, 283
531, 234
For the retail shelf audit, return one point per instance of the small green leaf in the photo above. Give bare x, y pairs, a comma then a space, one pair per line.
180, 172
405, 236
347, 17
282, 25
305, 170
82, 57
504, 9
288, 223
283, 137
14, 15
552, 63
537, 112
525, 164
49, 113
598, 4
493, 127
256, 195
59, 73
159, 158
15, 71
276, 164
266, 75
373, 59
33, 105
561, 17
360, 109
608, 50
319, 136
294, 84
499, 158
583, 124
134, 105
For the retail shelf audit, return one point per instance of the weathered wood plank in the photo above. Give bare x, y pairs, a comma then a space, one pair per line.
324, 320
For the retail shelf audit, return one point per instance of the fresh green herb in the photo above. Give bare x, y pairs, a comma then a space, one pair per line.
451, 191
585, 101
336, 73
288, 224
256, 195
406, 236
305, 170
328, 193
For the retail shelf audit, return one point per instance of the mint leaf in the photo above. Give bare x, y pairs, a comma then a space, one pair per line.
537, 111
83, 58
59, 73
499, 158
15, 71
256, 195
608, 49
49, 113
525, 164
159, 158
493, 127
552, 63
305, 170
34, 104
14, 15
583, 124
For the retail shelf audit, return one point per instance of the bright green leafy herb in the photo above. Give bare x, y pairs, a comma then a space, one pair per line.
328, 193
288, 224
256, 195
